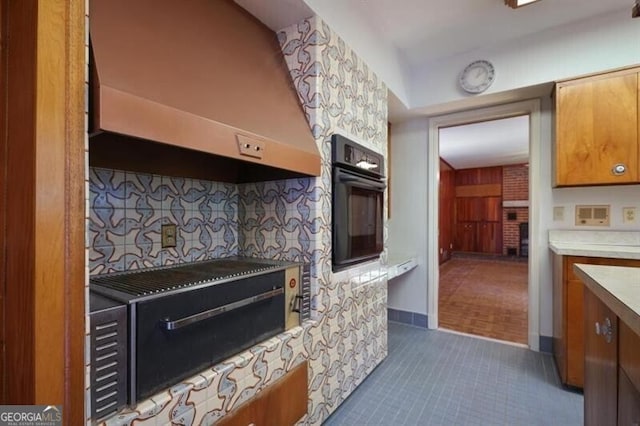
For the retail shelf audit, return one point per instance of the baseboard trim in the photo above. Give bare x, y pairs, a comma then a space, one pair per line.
546, 344
407, 317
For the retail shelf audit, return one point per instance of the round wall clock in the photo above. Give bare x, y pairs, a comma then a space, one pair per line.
477, 76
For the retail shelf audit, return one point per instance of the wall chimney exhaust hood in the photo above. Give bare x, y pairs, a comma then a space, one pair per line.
203, 80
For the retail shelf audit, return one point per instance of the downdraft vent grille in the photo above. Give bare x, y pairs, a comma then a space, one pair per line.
108, 361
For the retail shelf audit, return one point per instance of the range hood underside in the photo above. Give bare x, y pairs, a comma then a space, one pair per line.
122, 152
202, 77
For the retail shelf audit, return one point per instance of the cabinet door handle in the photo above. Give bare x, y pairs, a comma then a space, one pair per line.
605, 330
619, 169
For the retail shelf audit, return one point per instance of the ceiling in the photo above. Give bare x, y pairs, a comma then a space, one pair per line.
426, 31
429, 30
486, 144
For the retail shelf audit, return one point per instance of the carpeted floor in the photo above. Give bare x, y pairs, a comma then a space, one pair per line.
436, 378
485, 297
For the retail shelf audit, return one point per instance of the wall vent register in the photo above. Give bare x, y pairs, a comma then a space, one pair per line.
592, 215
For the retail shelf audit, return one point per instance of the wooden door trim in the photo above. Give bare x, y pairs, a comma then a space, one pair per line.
20, 290
3, 191
45, 215
75, 210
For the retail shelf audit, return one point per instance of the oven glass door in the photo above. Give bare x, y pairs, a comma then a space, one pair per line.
357, 218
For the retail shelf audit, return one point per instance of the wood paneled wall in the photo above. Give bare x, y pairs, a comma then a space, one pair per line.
446, 216
478, 210
479, 176
43, 126
3, 194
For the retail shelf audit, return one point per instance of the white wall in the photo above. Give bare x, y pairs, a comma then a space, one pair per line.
407, 226
408, 221
596, 44
370, 45
615, 196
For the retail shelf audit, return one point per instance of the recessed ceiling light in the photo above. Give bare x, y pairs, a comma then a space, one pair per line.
517, 3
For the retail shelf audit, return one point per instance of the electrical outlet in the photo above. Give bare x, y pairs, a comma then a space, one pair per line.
168, 235
629, 215
558, 214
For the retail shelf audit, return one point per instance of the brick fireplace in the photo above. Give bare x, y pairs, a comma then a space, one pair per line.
515, 201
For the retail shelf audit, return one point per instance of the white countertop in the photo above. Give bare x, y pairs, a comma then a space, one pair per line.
618, 287
612, 244
595, 250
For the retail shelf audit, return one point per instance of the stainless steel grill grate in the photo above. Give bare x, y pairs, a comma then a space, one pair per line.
159, 280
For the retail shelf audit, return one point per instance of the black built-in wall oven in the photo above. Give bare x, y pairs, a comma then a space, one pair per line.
358, 203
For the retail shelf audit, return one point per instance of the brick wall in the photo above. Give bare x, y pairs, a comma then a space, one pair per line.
511, 228
515, 186
515, 182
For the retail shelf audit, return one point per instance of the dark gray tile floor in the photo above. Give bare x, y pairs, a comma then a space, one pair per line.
439, 378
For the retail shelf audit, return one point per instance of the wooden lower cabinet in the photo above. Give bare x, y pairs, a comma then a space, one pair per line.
568, 329
479, 237
465, 236
575, 333
628, 376
490, 237
611, 367
280, 404
601, 363
628, 401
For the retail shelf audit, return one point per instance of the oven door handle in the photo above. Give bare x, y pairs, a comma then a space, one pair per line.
361, 182
169, 325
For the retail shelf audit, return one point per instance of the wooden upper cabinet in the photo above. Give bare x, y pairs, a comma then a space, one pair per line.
597, 129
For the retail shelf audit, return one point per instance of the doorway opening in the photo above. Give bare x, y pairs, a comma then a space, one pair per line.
483, 228
531, 109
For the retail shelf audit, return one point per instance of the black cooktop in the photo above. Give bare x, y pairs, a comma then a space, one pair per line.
133, 285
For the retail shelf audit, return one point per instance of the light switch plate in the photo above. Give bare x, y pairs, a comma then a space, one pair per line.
629, 215
558, 213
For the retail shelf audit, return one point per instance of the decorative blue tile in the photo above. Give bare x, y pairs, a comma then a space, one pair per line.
419, 320
107, 189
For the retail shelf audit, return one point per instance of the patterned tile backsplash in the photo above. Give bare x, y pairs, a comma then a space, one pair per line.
128, 209
288, 219
277, 220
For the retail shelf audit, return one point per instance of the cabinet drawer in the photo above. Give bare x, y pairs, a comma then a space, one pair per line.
630, 353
